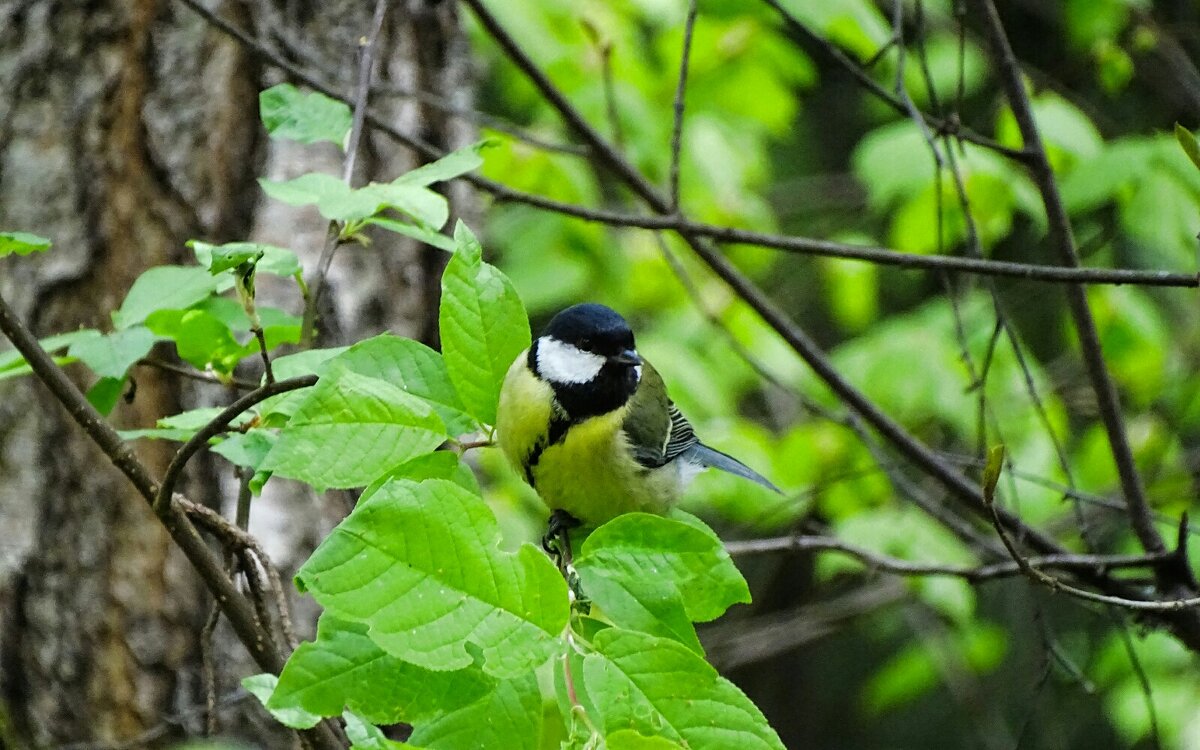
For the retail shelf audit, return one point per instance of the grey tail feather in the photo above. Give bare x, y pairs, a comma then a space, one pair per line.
702, 454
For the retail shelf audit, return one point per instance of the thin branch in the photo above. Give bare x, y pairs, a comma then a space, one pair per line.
897, 566
949, 126
683, 225
1063, 240
162, 499
184, 534
237, 541
866, 253
480, 118
268, 373
689, 26
208, 672
1055, 584
202, 377
362, 93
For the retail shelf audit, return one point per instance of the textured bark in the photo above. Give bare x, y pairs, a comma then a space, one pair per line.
108, 150
127, 127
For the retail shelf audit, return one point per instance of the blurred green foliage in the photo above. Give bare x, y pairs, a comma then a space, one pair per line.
778, 138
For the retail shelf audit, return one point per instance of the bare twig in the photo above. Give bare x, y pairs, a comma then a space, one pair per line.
162, 499
680, 97
483, 119
237, 541
208, 671
362, 92
1055, 584
202, 377
1140, 515
887, 564
950, 126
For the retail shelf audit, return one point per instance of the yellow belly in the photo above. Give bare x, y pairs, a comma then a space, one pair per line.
591, 475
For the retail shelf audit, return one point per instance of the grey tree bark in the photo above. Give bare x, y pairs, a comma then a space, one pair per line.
126, 128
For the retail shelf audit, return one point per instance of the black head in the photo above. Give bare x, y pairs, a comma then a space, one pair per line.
592, 328
587, 355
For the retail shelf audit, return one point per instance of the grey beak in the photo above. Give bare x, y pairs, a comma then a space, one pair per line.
627, 357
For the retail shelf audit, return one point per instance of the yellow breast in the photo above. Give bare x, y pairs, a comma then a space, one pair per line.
590, 473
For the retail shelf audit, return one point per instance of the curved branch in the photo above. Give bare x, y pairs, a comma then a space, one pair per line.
162, 499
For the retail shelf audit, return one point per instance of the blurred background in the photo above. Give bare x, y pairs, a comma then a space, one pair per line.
129, 127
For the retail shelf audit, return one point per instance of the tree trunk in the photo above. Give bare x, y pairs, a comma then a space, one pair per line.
126, 128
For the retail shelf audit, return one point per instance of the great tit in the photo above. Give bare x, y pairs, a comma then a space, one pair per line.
588, 423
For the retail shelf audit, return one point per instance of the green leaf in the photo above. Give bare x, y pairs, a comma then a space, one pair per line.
111, 355
164, 288
436, 465
22, 243
307, 362
628, 739
344, 668
156, 433
510, 717
681, 551
364, 735
483, 326
182, 426
201, 338
420, 564
453, 164
104, 394
419, 233
412, 366
337, 201
657, 687
646, 604
306, 189
261, 686
352, 428
228, 257
11, 359
246, 449
268, 258
1187, 140
277, 409
310, 117
427, 207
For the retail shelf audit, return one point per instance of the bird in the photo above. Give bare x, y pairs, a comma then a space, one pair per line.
588, 423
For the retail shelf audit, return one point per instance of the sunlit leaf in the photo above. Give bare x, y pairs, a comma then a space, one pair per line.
350, 429
483, 326
421, 565
22, 243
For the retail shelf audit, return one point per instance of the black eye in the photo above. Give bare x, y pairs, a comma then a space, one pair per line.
585, 344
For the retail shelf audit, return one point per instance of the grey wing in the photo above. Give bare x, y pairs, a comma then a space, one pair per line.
656, 448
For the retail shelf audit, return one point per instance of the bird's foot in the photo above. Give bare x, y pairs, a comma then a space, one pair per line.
557, 543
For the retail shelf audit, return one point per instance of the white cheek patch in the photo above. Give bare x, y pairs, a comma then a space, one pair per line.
637, 373
565, 364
